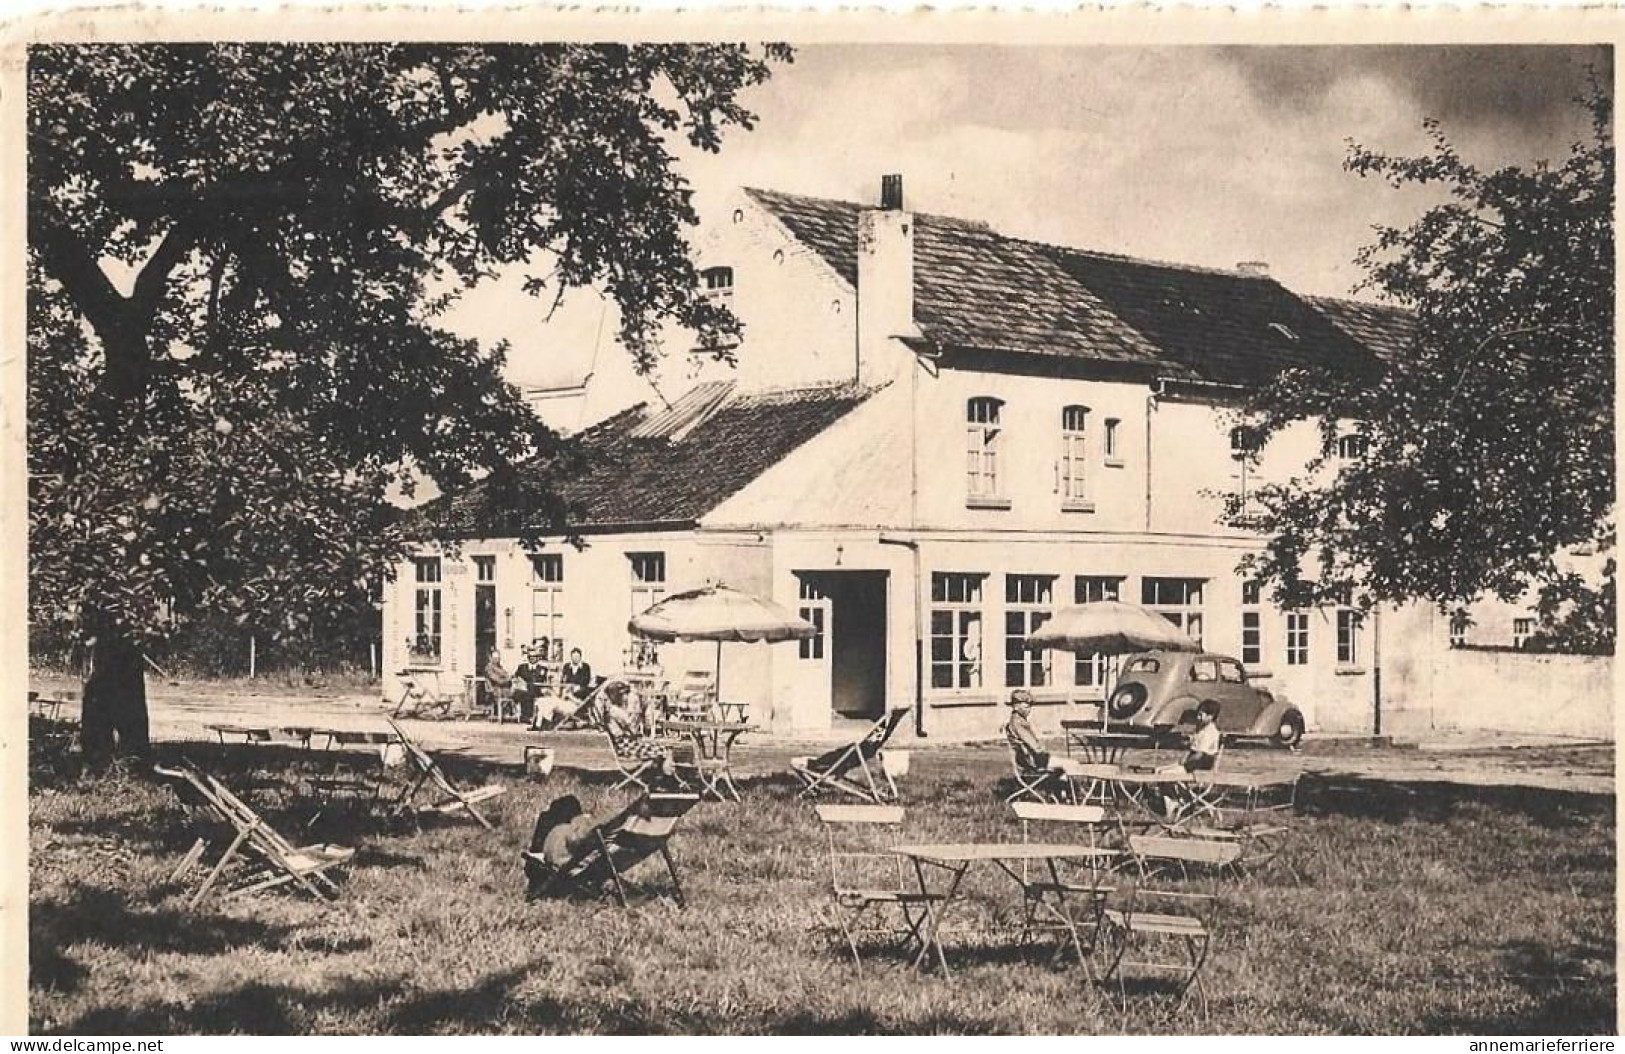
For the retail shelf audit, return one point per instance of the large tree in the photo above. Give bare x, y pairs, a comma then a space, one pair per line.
239, 257
1490, 438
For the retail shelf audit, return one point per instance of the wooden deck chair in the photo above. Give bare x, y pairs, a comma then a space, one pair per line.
418, 698
1165, 925
575, 717
451, 800
270, 860
853, 771
863, 879
1054, 890
641, 830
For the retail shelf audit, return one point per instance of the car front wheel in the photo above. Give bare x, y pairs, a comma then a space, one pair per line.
1289, 730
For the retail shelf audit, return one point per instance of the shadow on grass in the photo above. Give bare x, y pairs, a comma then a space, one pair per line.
104, 917
1397, 801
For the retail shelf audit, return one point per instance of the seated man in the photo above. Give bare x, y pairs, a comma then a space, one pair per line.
576, 674
528, 680
561, 830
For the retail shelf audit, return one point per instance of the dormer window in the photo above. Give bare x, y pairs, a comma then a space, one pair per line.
982, 434
717, 281
1351, 447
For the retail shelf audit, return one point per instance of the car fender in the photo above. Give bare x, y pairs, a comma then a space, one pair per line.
1269, 718
1170, 712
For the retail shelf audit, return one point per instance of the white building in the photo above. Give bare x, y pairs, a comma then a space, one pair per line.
934, 435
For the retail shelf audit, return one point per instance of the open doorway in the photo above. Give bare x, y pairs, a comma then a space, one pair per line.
849, 655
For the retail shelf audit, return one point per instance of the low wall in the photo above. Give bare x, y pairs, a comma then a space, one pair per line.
1502, 691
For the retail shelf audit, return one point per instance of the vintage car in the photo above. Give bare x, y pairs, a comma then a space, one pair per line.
1159, 691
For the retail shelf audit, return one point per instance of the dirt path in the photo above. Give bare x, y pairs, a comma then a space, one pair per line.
183, 711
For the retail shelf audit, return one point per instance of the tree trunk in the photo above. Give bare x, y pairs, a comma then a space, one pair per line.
114, 720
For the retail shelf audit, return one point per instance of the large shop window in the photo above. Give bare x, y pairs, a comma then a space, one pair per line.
956, 630
1092, 671
1179, 600
1029, 601
426, 611
547, 602
982, 432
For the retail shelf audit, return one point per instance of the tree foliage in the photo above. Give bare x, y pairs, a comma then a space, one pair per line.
1490, 440
239, 260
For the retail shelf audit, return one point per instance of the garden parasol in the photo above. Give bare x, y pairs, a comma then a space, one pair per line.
721, 614
1110, 627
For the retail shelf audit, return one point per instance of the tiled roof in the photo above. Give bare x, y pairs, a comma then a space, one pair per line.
654, 481
1385, 330
975, 288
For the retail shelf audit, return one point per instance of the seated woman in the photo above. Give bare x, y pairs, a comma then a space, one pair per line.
631, 728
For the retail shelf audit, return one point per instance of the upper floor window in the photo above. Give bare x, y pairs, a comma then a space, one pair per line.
1522, 630
717, 281
1351, 447
1072, 470
982, 432
1245, 442
1113, 441
485, 569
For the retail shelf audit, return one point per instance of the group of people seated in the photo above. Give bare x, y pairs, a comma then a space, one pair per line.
541, 700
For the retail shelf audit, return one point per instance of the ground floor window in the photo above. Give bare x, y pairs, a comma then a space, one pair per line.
1348, 637
424, 646
1179, 600
547, 601
814, 608
1029, 601
1297, 638
648, 572
1252, 624
956, 630
1093, 671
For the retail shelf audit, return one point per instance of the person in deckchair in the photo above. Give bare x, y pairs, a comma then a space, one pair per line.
630, 727
562, 829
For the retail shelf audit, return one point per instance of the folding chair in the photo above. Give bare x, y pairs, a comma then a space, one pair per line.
1053, 891
279, 863
859, 761
428, 771
1041, 785
696, 697
862, 878
418, 698
1258, 827
619, 844
577, 716
1174, 941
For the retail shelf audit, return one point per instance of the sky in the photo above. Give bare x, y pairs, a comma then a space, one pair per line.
1197, 155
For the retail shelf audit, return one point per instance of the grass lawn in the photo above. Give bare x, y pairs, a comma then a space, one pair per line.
1424, 908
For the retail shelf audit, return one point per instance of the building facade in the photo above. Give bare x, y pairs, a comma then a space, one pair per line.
934, 436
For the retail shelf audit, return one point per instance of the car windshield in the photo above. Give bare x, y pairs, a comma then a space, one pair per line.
1142, 665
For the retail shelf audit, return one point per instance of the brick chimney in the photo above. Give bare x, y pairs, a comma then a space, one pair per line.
885, 284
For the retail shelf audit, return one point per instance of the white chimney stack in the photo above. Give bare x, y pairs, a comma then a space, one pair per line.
885, 283
1253, 269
